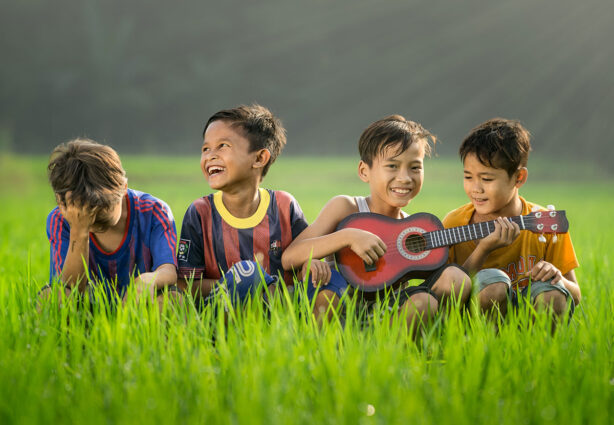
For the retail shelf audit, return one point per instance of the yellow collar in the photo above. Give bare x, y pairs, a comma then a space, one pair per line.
243, 223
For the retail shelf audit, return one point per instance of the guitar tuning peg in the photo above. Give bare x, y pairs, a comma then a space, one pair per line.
535, 208
555, 238
542, 238
551, 207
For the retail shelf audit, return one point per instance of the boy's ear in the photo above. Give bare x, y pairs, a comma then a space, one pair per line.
363, 171
262, 158
521, 176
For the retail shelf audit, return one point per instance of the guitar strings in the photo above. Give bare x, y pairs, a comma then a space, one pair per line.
422, 244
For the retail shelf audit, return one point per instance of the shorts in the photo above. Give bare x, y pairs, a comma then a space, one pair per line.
367, 302
337, 285
489, 276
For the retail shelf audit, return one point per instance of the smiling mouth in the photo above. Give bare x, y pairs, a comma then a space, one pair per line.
214, 169
400, 191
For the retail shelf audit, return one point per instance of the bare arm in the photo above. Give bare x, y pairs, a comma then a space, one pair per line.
148, 283
544, 271
321, 239
80, 220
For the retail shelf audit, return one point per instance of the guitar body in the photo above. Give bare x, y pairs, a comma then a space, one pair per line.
406, 256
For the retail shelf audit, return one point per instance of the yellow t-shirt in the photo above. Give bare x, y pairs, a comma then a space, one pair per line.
519, 257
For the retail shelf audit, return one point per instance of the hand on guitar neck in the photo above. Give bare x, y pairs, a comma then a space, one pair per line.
506, 232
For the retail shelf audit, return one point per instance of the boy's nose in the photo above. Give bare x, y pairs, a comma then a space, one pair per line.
403, 176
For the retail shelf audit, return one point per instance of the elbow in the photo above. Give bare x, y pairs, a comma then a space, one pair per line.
285, 261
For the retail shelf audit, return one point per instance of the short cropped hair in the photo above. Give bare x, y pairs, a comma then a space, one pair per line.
498, 143
261, 128
393, 131
92, 172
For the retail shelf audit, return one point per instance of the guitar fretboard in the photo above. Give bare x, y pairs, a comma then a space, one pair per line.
469, 232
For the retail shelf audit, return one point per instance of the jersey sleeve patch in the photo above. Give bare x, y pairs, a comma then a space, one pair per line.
183, 249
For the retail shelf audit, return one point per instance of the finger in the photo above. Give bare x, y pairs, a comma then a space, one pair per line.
326, 276
379, 251
557, 278
365, 257
373, 255
381, 244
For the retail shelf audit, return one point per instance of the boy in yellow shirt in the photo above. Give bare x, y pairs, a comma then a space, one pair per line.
495, 156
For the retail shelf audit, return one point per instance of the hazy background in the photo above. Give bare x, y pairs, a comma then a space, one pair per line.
143, 76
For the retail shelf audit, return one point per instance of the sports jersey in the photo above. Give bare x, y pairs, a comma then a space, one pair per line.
150, 240
212, 239
519, 257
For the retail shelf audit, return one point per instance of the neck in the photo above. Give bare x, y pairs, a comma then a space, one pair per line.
123, 220
242, 203
383, 208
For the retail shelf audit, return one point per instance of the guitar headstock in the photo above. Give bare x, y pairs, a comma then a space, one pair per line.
550, 221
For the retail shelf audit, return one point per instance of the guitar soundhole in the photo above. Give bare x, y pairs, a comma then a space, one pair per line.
415, 243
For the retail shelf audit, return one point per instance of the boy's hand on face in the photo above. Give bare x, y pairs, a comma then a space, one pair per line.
366, 245
544, 271
504, 234
319, 272
79, 217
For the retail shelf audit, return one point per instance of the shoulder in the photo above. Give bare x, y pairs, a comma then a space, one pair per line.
143, 200
528, 207
343, 203
282, 197
150, 209
459, 217
338, 208
54, 219
201, 205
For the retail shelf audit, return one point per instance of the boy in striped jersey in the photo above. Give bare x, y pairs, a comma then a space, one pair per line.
508, 264
102, 232
236, 235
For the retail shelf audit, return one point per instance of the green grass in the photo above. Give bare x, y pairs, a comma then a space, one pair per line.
135, 365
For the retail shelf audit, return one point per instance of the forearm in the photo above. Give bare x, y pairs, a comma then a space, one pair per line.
164, 275
74, 270
573, 288
475, 261
319, 247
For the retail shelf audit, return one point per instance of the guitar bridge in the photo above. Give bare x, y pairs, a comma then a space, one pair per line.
369, 267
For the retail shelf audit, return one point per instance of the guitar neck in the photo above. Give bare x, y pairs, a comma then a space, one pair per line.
470, 232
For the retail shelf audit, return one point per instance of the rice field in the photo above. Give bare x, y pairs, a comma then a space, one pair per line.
105, 365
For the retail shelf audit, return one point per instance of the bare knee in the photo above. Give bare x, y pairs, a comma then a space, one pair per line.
419, 308
326, 302
494, 296
555, 300
453, 282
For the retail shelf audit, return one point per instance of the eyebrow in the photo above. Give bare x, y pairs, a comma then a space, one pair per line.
480, 174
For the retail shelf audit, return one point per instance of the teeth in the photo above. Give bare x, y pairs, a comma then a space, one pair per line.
401, 191
214, 170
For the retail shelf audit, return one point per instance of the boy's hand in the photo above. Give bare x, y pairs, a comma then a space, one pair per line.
543, 271
145, 286
504, 234
319, 272
79, 217
366, 245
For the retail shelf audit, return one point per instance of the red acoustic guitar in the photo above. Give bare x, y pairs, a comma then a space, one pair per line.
419, 244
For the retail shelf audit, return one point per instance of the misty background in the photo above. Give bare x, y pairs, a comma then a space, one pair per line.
144, 76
